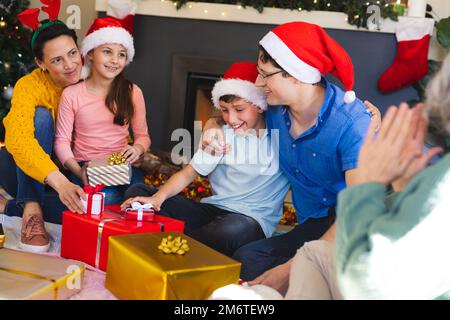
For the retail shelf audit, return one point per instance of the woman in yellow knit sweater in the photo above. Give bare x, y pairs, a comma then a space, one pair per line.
25, 164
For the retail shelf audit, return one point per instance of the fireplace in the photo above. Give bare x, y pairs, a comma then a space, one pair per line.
190, 93
198, 104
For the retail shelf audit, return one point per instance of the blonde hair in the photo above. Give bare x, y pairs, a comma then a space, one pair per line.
437, 100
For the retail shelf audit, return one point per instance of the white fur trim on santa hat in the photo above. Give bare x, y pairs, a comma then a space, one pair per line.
414, 29
121, 8
241, 88
292, 64
103, 36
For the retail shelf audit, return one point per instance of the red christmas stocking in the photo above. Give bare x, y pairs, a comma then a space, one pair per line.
411, 62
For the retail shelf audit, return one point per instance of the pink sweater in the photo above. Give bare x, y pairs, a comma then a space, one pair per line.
85, 129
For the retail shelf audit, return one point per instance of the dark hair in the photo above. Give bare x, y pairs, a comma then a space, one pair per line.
228, 98
266, 57
119, 101
50, 33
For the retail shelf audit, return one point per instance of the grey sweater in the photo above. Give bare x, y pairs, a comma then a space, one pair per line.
396, 247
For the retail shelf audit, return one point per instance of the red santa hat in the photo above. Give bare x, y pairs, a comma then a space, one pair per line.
116, 27
239, 80
307, 52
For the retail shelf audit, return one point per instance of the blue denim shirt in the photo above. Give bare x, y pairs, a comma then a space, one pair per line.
315, 163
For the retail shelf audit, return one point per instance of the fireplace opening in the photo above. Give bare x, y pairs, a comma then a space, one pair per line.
199, 106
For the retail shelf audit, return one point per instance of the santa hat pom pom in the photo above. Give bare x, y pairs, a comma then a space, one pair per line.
349, 96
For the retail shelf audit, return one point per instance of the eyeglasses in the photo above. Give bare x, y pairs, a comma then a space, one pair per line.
264, 76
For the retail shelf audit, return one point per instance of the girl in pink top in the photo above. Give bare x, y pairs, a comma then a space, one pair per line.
95, 115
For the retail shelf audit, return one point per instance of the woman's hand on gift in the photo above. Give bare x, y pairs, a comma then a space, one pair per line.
155, 201
132, 153
69, 193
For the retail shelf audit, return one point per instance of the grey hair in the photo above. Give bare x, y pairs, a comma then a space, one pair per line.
437, 102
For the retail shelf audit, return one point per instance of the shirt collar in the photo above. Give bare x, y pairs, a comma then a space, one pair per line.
326, 107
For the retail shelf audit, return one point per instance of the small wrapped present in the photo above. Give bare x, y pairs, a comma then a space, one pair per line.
109, 172
26, 275
95, 202
85, 236
139, 268
140, 212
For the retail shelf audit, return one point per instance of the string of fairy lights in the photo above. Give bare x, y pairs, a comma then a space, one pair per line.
356, 10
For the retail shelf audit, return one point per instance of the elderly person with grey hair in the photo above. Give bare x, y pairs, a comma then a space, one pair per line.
396, 247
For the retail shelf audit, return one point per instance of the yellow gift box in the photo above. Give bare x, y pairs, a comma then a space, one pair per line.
137, 269
25, 275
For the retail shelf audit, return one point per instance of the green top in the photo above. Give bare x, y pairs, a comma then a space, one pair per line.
396, 247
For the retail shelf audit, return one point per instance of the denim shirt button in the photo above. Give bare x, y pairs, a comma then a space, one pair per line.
324, 199
313, 154
293, 145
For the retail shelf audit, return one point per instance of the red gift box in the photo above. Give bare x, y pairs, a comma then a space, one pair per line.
85, 236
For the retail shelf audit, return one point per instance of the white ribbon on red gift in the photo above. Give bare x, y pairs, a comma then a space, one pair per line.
90, 192
141, 208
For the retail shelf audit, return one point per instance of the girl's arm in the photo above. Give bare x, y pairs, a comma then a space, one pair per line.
64, 130
139, 121
172, 187
139, 127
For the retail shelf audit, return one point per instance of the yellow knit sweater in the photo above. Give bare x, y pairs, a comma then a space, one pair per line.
31, 91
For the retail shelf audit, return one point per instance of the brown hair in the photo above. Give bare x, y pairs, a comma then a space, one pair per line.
228, 98
119, 100
266, 57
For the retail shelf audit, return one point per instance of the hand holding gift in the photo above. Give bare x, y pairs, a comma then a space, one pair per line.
155, 202
132, 153
140, 212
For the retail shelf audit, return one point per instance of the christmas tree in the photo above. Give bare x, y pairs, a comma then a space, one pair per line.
16, 59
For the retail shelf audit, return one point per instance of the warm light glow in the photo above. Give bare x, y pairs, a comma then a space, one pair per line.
223, 14
205, 11
190, 6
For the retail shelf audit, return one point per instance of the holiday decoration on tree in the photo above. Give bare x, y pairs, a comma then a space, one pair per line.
16, 59
411, 62
356, 10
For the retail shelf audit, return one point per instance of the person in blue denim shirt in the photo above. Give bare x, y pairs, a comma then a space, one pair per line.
321, 130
